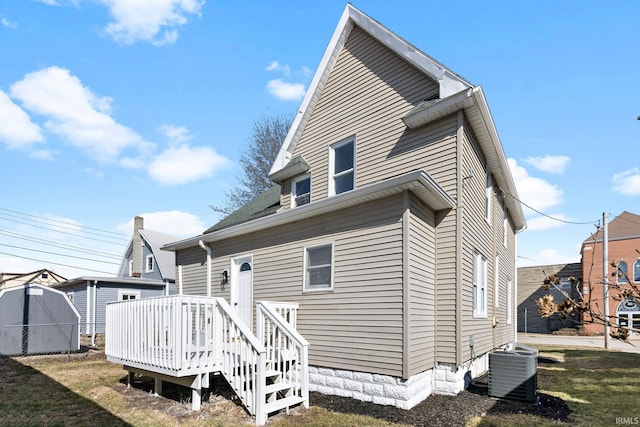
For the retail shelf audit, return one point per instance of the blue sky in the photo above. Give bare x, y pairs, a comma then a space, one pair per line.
116, 108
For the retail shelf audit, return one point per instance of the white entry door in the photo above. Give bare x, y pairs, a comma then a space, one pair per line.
242, 292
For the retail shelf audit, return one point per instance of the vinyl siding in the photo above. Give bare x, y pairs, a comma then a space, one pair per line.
368, 92
485, 238
422, 287
357, 325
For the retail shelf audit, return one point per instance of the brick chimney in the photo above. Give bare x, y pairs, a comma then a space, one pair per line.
138, 224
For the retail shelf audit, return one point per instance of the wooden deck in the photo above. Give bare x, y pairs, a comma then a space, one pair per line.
183, 339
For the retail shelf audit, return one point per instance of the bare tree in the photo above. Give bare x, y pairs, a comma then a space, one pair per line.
588, 308
268, 133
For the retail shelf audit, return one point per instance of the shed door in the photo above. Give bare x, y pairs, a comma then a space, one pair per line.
242, 293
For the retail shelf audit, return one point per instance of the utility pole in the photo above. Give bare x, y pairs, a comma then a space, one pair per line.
605, 276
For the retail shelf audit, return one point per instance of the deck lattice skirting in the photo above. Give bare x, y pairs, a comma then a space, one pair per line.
388, 390
183, 339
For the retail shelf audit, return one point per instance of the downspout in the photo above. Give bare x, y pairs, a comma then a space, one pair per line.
180, 279
87, 328
208, 249
95, 298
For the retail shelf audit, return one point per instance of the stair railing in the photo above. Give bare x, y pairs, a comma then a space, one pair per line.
286, 350
243, 360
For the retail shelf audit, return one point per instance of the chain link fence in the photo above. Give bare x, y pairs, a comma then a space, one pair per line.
37, 339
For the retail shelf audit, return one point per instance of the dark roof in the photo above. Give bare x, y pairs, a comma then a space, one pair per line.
625, 225
264, 204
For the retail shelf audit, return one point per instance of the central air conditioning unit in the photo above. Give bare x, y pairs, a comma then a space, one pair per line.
513, 373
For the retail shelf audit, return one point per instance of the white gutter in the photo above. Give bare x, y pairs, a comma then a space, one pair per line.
180, 279
208, 249
95, 299
87, 328
417, 181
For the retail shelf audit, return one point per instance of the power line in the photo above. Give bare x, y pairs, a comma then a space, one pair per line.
542, 213
63, 222
57, 263
66, 233
58, 245
59, 254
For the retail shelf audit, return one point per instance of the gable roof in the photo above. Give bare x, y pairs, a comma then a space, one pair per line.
165, 261
448, 81
454, 91
624, 226
262, 205
31, 276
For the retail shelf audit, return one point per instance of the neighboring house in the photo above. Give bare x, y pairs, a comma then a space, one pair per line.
530, 280
624, 250
40, 277
146, 271
393, 225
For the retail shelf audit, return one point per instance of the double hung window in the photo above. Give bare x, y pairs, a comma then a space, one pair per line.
342, 167
318, 271
301, 191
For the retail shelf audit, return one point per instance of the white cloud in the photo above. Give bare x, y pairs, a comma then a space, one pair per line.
49, 2
42, 154
155, 21
177, 223
8, 24
549, 256
535, 192
180, 164
276, 66
550, 164
76, 115
540, 223
627, 182
285, 91
16, 128
175, 134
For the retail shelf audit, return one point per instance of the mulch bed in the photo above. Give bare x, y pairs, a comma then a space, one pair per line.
438, 410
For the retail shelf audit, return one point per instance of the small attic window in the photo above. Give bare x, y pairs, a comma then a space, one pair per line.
44, 276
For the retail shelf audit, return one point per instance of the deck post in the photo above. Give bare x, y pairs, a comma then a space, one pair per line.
130, 379
260, 396
196, 392
157, 386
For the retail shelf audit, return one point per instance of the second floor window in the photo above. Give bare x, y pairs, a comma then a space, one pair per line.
479, 285
301, 191
149, 263
342, 168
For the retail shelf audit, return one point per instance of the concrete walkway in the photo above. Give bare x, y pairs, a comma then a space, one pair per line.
633, 346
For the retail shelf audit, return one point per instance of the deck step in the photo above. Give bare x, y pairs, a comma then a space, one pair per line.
283, 403
274, 388
272, 373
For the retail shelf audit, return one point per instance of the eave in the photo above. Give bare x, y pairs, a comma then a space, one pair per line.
418, 182
476, 109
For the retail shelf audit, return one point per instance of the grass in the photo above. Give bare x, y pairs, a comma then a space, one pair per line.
594, 387
597, 386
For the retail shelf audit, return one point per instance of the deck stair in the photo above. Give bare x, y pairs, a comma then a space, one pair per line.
184, 339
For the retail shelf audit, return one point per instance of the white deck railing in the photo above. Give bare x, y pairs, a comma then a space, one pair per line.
173, 335
287, 350
191, 336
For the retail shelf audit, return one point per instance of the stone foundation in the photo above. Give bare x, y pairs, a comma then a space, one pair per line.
388, 390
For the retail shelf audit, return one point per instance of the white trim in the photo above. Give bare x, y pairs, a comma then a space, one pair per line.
505, 226
488, 198
509, 302
129, 292
294, 193
130, 268
418, 182
332, 174
304, 268
479, 284
146, 263
236, 262
496, 282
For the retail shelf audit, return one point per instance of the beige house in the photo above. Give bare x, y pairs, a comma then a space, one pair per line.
393, 226
39, 277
